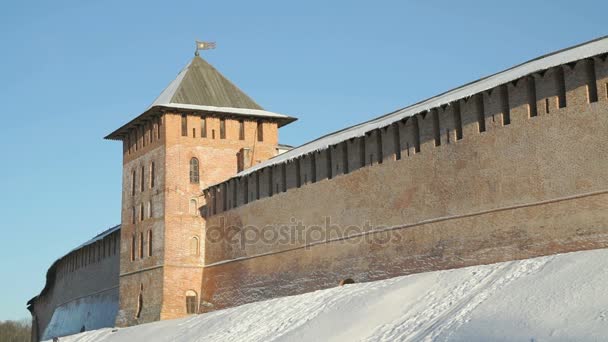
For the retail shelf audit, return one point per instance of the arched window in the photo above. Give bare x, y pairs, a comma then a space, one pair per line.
193, 207
194, 246
191, 302
194, 175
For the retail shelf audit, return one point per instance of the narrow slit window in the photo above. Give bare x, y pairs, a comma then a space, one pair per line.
184, 126
532, 109
260, 131
241, 130
133, 247
506, 108
481, 114
194, 171
152, 175
222, 128
547, 105
142, 184
458, 120
561, 88
379, 145
436, 127
203, 127
396, 141
150, 242
591, 82
141, 212
133, 177
141, 245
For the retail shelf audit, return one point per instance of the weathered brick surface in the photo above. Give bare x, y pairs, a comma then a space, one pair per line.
534, 186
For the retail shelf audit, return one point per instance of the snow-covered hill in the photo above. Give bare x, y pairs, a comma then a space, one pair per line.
561, 297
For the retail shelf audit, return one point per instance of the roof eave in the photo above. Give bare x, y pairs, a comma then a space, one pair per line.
282, 120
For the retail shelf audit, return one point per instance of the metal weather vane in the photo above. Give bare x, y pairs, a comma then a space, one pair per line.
203, 46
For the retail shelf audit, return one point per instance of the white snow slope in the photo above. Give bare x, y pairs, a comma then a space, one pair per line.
558, 298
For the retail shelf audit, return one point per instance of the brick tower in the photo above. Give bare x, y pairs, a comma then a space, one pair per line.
201, 130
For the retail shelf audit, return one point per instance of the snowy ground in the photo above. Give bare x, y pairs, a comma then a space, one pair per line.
561, 297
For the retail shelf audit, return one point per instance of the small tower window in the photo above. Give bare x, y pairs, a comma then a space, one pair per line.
222, 128
193, 206
143, 179
191, 302
133, 176
141, 245
184, 126
150, 242
260, 129
152, 175
141, 212
241, 130
133, 247
194, 172
194, 246
203, 127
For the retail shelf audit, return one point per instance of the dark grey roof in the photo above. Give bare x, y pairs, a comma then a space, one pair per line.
199, 87
200, 83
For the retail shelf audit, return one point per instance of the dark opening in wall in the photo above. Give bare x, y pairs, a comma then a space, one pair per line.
284, 176
133, 247
313, 168
203, 127
547, 105
504, 102
591, 82
194, 132
149, 243
184, 126
362, 151
142, 185
270, 180
133, 176
241, 130
561, 87
246, 189
397, 141
345, 156
257, 185
298, 176
457, 120
141, 245
532, 108
222, 128
260, 131
436, 128
416, 129
481, 114
346, 281
379, 145
329, 170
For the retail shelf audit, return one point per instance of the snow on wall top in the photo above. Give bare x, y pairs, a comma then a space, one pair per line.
582, 51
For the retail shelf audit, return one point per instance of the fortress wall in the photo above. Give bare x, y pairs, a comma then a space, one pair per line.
88, 274
526, 186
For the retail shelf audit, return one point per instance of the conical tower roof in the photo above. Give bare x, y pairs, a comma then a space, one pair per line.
199, 83
199, 87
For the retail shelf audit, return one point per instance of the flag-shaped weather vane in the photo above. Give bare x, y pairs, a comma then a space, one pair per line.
203, 46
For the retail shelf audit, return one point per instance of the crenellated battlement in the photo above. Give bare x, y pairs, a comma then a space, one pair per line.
572, 86
509, 167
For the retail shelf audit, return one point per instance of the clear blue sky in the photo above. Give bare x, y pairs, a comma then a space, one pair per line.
73, 71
